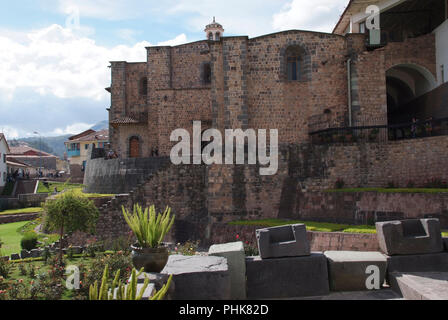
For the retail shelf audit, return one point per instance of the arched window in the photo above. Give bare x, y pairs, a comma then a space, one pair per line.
210, 36
218, 36
134, 147
143, 86
295, 63
206, 73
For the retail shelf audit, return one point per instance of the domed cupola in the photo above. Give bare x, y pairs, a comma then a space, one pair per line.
214, 31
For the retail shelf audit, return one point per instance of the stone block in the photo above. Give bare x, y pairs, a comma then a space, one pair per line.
15, 256
199, 277
158, 280
287, 277
420, 285
35, 253
236, 260
347, 269
24, 254
416, 236
435, 262
284, 241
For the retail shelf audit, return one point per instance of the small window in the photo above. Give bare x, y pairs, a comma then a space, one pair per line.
144, 86
87, 146
295, 64
210, 36
293, 68
207, 73
218, 36
4, 158
362, 27
4, 176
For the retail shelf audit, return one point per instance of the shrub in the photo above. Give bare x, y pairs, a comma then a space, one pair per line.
5, 268
106, 292
149, 228
29, 241
22, 269
410, 184
189, 248
391, 185
119, 261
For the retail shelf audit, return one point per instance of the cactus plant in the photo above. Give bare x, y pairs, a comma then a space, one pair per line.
119, 291
149, 228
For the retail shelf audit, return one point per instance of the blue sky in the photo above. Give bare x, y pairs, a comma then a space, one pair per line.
54, 53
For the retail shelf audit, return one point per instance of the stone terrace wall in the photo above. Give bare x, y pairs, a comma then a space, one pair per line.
319, 241
180, 187
117, 176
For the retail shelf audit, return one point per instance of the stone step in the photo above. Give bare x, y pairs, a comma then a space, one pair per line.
420, 285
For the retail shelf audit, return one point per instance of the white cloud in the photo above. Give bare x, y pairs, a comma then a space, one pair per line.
316, 15
10, 132
57, 61
180, 39
71, 129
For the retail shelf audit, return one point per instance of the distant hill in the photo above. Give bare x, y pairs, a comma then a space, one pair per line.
103, 125
55, 145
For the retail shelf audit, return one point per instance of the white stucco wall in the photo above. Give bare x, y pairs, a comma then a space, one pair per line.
3, 170
442, 51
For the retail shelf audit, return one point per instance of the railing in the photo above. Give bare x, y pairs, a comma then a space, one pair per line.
381, 133
73, 153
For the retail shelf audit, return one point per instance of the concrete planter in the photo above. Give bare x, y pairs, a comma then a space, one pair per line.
152, 259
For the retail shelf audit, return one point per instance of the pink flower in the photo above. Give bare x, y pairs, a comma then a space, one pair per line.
237, 236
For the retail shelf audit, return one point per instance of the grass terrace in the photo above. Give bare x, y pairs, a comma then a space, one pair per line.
312, 226
21, 211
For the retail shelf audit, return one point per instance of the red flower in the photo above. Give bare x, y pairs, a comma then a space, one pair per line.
237, 236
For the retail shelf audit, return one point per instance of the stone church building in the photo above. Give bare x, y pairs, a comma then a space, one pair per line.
346, 106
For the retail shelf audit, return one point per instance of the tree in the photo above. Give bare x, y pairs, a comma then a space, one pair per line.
69, 212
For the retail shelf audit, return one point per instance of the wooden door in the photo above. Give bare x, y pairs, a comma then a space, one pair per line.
134, 147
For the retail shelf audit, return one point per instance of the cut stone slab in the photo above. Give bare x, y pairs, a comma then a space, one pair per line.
416, 236
287, 277
236, 260
158, 280
24, 254
435, 262
35, 253
199, 277
421, 285
283, 241
15, 256
348, 269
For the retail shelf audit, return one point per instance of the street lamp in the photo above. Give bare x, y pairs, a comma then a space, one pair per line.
40, 152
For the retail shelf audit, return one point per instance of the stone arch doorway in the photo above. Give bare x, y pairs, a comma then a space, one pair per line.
405, 83
134, 147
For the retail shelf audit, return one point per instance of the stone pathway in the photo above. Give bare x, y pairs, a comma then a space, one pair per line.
384, 294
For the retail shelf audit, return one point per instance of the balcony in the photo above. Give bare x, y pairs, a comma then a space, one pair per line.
73, 153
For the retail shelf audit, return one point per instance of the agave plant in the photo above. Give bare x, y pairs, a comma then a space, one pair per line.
119, 291
149, 228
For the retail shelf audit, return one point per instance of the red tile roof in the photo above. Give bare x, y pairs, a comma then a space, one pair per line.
102, 135
24, 150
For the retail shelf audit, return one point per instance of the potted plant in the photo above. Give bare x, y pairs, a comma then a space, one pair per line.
150, 229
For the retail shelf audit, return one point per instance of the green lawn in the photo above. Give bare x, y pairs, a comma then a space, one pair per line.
19, 211
11, 237
58, 185
389, 190
76, 187
311, 226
